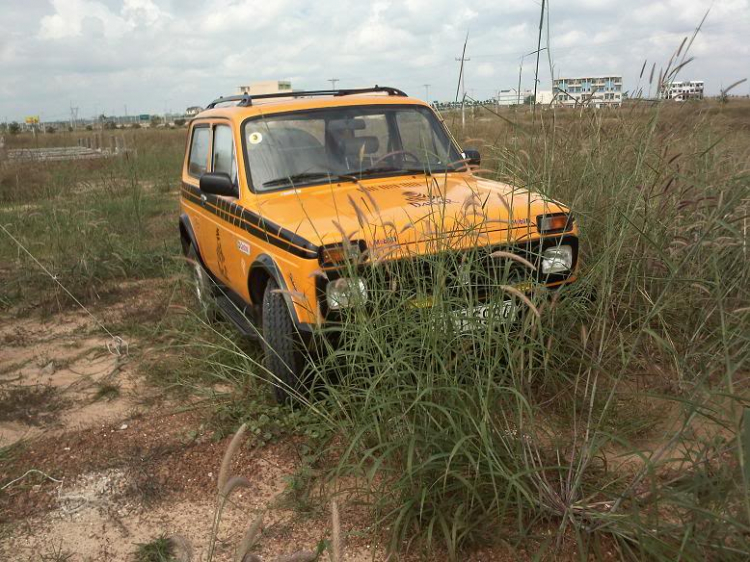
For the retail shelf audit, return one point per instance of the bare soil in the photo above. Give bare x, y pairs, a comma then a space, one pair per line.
94, 459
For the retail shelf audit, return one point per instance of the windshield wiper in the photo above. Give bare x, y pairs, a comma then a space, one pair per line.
388, 170
429, 171
304, 177
376, 171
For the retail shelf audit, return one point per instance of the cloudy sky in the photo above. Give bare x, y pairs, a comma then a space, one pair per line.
157, 55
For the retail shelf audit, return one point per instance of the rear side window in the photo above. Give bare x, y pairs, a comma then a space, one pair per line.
199, 151
223, 156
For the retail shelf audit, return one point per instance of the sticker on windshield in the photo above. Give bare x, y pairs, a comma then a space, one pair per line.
255, 138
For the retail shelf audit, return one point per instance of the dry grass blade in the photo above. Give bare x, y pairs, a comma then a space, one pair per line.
249, 539
234, 483
731, 87
337, 551
514, 257
518, 294
301, 556
226, 463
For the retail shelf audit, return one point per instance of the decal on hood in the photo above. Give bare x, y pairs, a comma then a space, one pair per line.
416, 199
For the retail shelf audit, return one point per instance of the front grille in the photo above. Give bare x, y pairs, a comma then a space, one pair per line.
454, 274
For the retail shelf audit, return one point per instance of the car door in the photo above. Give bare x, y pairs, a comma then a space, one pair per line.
197, 165
231, 248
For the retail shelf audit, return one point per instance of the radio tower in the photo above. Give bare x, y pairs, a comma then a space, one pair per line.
73, 117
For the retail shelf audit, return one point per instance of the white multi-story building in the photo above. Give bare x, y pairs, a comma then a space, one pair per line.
591, 91
266, 87
682, 91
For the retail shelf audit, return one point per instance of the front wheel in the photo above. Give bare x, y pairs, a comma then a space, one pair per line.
282, 344
202, 286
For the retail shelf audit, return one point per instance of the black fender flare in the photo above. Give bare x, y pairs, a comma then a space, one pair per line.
265, 264
187, 234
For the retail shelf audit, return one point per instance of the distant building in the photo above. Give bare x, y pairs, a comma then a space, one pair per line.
683, 91
544, 97
512, 97
592, 91
193, 110
267, 87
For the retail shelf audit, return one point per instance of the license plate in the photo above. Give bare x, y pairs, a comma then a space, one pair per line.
481, 315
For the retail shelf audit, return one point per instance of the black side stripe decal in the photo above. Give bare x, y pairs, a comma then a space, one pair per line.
252, 223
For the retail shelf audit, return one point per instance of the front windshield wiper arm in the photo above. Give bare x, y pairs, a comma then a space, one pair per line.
429, 171
375, 171
304, 177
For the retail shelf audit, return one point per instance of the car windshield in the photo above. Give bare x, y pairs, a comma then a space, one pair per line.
344, 144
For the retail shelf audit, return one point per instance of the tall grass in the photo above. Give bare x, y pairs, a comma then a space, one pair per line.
616, 423
90, 222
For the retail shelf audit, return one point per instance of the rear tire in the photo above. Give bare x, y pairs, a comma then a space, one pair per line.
282, 344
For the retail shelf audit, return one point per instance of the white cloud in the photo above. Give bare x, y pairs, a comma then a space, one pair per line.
485, 70
144, 11
152, 53
70, 15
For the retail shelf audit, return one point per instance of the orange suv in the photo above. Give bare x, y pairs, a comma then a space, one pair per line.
282, 192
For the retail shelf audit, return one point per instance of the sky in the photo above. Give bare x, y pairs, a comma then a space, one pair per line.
157, 56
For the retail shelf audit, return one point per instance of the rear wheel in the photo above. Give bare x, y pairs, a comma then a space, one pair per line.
282, 344
202, 285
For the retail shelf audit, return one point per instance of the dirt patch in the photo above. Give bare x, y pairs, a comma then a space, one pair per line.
52, 371
30, 405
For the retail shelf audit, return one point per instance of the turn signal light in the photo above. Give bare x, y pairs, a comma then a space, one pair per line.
561, 222
340, 253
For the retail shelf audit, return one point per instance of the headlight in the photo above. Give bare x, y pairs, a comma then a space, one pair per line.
345, 292
557, 259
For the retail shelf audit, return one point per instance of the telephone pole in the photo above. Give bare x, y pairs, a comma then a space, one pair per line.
462, 82
427, 92
333, 82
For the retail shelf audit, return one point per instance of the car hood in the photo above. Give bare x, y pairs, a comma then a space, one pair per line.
396, 213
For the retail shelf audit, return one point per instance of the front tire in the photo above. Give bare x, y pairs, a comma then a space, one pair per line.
203, 286
282, 344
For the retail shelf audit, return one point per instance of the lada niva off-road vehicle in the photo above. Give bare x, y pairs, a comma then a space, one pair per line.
281, 191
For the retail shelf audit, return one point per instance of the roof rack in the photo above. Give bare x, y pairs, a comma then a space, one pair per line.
246, 100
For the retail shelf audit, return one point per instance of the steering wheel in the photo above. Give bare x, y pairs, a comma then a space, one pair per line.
396, 153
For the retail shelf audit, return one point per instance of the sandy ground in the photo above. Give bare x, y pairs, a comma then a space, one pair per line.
90, 475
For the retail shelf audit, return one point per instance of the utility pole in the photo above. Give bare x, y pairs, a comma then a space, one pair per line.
520, 70
538, 50
333, 82
462, 82
427, 92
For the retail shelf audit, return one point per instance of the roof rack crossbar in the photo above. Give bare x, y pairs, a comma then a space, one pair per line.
245, 100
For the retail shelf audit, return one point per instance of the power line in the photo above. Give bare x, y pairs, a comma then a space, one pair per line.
333, 82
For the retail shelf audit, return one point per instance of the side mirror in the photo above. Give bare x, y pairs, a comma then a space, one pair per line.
218, 183
473, 158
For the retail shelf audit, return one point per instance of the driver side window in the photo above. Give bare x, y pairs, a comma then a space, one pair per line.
223, 158
417, 136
